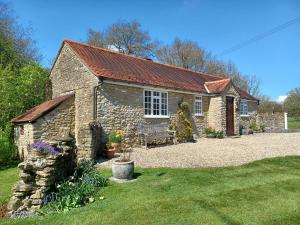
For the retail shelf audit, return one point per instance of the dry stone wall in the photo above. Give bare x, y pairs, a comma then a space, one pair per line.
273, 122
38, 174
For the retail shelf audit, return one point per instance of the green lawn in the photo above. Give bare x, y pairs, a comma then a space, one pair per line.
264, 192
293, 123
7, 178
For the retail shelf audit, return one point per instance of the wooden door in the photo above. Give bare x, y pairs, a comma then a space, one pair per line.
229, 116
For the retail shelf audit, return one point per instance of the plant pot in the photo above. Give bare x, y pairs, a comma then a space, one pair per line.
123, 170
116, 146
110, 153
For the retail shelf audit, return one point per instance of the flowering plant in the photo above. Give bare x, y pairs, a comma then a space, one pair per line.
44, 147
116, 136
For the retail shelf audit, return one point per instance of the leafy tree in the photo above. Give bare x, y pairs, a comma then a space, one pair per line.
186, 54
125, 37
190, 55
269, 107
16, 46
292, 103
21, 90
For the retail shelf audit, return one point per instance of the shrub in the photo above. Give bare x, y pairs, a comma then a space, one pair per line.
220, 134
209, 130
75, 191
116, 136
253, 126
183, 126
7, 147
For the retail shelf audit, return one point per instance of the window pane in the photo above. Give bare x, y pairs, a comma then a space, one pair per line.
147, 103
198, 105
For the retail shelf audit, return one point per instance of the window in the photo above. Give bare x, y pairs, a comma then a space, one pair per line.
198, 105
155, 103
21, 130
244, 108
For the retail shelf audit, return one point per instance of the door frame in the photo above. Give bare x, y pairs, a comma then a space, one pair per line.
229, 116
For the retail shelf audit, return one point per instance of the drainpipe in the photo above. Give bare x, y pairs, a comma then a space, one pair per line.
96, 89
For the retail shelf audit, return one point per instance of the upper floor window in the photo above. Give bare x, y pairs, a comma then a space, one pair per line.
198, 105
243, 108
155, 103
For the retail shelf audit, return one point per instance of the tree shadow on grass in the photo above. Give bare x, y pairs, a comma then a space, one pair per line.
8, 164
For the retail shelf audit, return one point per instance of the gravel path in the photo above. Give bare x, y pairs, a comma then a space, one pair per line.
217, 152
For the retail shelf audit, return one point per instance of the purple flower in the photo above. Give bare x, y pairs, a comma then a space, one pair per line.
45, 147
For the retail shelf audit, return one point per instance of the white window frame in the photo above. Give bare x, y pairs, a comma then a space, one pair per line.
201, 103
242, 105
160, 103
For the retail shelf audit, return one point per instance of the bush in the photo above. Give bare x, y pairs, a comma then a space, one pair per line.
220, 134
183, 126
7, 148
75, 191
116, 136
211, 132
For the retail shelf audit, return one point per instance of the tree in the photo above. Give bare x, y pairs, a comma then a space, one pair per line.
16, 46
96, 38
292, 103
21, 90
186, 54
125, 37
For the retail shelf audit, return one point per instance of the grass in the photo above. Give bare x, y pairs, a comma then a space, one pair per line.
293, 123
8, 176
264, 192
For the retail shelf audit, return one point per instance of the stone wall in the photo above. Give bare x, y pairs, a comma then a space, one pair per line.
23, 138
38, 174
69, 74
273, 122
57, 123
121, 107
216, 113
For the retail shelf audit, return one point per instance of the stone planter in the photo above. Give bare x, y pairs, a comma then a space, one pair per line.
110, 153
123, 170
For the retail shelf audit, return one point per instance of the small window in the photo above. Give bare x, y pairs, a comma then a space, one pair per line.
244, 108
155, 103
21, 130
198, 105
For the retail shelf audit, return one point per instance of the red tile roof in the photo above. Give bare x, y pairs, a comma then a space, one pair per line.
245, 95
117, 66
217, 86
40, 110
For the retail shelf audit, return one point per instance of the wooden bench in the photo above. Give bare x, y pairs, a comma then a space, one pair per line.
153, 132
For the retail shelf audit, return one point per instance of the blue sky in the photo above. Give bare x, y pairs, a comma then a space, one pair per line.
215, 24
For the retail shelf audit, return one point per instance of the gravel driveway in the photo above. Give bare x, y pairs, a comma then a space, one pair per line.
217, 152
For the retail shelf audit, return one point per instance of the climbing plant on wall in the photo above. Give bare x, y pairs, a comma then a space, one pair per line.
182, 125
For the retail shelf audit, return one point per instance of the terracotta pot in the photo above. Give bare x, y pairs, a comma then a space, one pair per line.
110, 153
116, 146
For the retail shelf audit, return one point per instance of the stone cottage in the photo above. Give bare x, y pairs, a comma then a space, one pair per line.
97, 87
